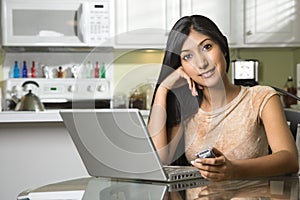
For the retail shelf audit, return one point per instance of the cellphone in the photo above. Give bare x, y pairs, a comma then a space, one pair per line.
208, 153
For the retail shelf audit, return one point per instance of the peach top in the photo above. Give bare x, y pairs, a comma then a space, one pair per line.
235, 129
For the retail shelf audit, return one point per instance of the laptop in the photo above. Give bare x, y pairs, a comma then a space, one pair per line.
115, 143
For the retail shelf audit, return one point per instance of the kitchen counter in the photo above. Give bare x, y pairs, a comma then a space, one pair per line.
36, 149
282, 187
44, 116
28, 116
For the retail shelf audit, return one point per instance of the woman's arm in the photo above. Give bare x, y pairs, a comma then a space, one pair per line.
283, 160
166, 139
166, 146
284, 157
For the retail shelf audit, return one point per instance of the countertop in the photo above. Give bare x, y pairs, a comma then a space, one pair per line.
282, 187
43, 116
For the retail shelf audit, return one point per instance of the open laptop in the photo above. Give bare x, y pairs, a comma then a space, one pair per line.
115, 143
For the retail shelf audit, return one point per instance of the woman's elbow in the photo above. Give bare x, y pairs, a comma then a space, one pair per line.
294, 164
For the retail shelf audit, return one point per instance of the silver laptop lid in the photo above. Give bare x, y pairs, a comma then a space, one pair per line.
114, 143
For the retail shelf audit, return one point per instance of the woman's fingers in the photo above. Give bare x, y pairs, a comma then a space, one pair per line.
177, 79
191, 83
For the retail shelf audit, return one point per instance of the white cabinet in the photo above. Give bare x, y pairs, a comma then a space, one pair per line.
227, 14
245, 23
144, 23
272, 23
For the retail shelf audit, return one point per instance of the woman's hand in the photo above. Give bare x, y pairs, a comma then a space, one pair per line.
179, 78
215, 169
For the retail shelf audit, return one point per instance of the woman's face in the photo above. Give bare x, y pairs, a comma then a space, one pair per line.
202, 59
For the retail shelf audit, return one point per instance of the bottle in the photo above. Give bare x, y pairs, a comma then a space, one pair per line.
103, 70
149, 93
60, 73
96, 71
290, 88
11, 72
33, 75
16, 70
88, 70
24, 70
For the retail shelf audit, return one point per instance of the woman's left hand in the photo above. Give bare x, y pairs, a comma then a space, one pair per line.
215, 169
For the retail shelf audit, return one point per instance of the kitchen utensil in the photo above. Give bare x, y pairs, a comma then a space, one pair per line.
29, 102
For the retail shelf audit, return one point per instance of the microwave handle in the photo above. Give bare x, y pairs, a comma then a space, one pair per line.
80, 23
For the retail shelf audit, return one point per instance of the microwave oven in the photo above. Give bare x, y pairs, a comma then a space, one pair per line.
61, 23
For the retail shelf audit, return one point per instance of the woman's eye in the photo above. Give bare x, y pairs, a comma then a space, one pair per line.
206, 47
188, 56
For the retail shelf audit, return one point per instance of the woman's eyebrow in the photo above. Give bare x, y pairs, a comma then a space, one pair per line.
186, 50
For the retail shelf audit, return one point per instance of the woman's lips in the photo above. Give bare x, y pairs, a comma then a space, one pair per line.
208, 73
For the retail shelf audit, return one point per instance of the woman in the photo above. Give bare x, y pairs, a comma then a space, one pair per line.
196, 107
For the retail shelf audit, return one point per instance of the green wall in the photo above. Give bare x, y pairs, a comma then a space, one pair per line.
275, 65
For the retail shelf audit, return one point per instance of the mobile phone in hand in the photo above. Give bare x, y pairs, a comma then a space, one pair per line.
208, 153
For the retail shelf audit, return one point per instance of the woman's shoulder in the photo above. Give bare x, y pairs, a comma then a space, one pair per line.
261, 90
259, 94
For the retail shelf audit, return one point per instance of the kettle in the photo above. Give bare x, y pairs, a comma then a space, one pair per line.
28, 102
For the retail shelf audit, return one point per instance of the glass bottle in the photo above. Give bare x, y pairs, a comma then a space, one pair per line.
16, 70
290, 88
88, 70
60, 73
33, 75
149, 93
103, 70
96, 70
24, 70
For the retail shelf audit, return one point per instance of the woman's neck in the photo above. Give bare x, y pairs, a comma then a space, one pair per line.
218, 96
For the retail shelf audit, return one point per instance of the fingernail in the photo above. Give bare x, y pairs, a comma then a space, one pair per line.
192, 162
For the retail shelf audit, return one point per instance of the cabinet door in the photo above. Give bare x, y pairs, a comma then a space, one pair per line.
272, 22
225, 13
145, 23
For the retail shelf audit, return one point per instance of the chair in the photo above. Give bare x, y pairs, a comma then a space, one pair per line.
293, 117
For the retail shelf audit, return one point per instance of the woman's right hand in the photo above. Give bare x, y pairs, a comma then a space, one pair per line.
177, 79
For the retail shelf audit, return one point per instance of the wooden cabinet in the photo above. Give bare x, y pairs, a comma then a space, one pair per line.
272, 23
145, 23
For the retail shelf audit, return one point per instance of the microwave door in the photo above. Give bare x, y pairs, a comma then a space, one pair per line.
29, 23
80, 24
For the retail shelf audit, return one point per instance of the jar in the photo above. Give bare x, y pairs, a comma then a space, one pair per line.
137, 99
120, 101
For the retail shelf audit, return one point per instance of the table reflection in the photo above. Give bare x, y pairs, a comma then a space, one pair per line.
271, 188
283, 187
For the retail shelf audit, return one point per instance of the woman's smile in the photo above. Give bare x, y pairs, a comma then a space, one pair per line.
208, 73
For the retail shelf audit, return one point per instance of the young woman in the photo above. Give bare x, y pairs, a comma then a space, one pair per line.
196, 107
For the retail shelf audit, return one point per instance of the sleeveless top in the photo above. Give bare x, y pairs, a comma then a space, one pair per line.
235, 129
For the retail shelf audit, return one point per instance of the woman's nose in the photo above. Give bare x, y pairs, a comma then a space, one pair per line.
201, 61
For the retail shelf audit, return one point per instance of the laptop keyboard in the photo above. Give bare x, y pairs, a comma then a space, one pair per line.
181, 172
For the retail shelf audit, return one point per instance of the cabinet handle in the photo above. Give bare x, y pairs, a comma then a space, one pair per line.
249, 33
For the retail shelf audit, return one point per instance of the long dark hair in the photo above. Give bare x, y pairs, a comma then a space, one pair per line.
180, 102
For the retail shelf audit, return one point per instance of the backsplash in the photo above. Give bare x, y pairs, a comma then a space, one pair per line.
134, 67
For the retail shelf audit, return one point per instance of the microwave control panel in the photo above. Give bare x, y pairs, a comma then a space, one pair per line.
98, 21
